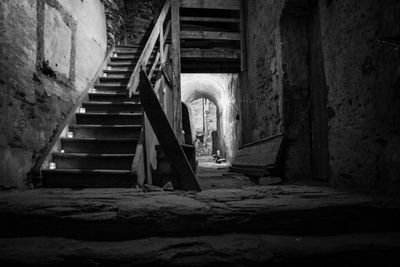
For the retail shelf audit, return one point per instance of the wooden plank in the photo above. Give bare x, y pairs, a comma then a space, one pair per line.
196, 27
138, 164
210, 66
210, 19
243, 32
176, 65
210, 53
211, 4
166, 136
260, 154
234, 36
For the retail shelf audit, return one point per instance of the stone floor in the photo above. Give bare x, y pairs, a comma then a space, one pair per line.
213, 175
241, 224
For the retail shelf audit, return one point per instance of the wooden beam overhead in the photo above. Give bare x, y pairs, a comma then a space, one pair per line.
209, 19
210, 53
234, 36
176, 65
211, 4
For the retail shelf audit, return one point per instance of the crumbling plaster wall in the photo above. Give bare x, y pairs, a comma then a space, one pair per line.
49, 51
363, 81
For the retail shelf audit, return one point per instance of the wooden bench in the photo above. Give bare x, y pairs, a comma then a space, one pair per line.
260, 158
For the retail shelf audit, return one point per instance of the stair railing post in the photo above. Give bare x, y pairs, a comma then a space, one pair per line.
176, 65
146, 174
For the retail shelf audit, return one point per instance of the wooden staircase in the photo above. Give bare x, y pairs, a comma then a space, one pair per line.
101, 149
109, 138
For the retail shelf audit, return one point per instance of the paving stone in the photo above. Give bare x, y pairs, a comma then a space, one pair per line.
222, 250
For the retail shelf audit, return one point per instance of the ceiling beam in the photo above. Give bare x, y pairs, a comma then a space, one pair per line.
209, 19
210, 53
211, 35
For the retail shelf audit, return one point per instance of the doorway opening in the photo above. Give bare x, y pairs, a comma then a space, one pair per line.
204, 117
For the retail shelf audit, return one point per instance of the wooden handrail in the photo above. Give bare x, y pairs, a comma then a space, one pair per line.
55, 142
140, 164
149, 47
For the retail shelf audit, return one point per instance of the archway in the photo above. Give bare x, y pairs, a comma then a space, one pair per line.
223, 91
204, 126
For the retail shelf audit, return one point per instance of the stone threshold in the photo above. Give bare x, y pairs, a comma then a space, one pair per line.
126, 214
224, 250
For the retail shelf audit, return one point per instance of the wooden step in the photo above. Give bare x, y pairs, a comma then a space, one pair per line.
93, 161
109, 118
112, 87
125, 57
112, 96
106, 131
136, 53
76, 178
121, 75
99, 145
119, 70
127, 64
115, 78
112, 106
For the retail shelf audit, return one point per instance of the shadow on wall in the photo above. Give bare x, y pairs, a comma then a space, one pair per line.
223, 90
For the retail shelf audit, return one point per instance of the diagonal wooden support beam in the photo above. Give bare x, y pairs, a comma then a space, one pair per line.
166, 136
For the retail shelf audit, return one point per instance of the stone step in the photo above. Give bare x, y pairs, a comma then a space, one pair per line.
375, 249
106, 131
93, 161
99, 145
109, 118
77, 178
106, 214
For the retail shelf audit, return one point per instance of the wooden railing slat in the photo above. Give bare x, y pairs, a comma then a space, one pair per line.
148, 49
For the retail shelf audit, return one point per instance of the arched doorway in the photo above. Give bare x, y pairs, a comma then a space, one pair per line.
204, 128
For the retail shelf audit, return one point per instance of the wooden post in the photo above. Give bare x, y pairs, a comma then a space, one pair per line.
243, 32
176, 64
161, 43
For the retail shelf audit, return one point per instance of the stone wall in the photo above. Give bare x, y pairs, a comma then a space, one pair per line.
50, 50
262, 96
115, 17
331, 70
296, 96
363, 81
140, 18
275, 98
